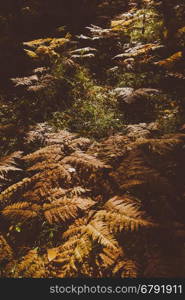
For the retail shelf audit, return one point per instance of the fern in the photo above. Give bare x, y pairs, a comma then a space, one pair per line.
171, 61
20, 212
31, 266
8, 164
6, 252
65, 209
120, 215
84, 163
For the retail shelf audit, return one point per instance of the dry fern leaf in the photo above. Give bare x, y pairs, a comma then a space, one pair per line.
75, 250
109, 257
98, 231
31, 266
8, 163
45, 165
48, 152
76, 228
77, 191
126, 269
6, 252
119, 216
57, 193
21, 211
35, 43
171, 61
84, 162
82, 237
135, 169
71, 258
44, 134
17, 188
46, 181
139, 50
164, 145
65, 209
61, 137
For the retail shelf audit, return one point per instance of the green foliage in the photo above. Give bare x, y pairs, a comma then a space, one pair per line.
96, 115
138, 80
144, 25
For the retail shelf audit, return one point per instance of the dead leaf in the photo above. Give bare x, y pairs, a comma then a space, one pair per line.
52, 253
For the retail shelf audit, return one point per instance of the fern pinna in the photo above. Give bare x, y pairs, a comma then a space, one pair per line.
75, 213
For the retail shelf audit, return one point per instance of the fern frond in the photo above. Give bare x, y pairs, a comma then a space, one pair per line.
171, 61
109, 257
164, 145
126, 269
18, 187
99, 232
44, 134
120, 215
21, 211
8, 163
31, 266
76, 228
49, 152
70, 257
65, 209
45, 165
84, 162
77, 191
46, 181
61, 137
6, 252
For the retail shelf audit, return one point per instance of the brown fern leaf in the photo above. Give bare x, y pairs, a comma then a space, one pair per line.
46, 181
21, 211
52, 152
65, 209
99, 232
71, 260
126, 269
44, 134
113, 147
8, 163
120, 215
75, 251
84, 162
31, 266
136, 171
57, 193
77, 191
171, 61
76, 228
16, 188
82, 237
7, 261
162, 146
45, 165
6, 252
108, 257
61, 137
